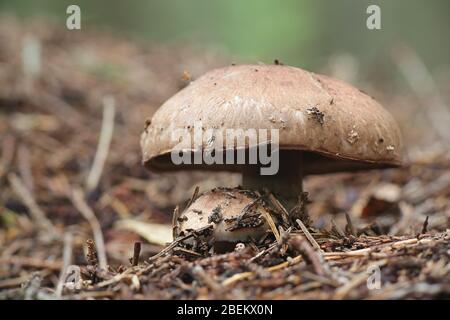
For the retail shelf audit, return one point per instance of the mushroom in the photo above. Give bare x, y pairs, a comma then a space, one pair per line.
324, 125
236, 216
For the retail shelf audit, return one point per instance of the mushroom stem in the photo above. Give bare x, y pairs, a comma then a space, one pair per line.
286, 184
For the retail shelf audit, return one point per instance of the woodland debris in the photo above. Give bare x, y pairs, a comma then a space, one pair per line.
51, 133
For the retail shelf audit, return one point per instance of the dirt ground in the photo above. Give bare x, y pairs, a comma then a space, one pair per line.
71, 228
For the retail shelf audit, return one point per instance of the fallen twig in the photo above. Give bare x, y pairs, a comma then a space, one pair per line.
277, 204
272, 225
78, 201
309, 236
67, 260
349, 229
136, 254
425, 226
177, 241
310, 255
106, 134
194, 196
36, 212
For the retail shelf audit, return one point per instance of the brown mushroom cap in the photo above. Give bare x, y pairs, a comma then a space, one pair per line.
220, 208
337, 126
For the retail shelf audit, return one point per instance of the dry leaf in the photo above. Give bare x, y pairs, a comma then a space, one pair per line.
152, 232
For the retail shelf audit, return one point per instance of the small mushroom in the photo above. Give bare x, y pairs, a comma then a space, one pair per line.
236, 215
316, 136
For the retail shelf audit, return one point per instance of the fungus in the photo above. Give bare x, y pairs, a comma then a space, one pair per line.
235, 214
314, 135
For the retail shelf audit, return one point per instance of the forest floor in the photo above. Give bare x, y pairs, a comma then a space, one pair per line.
75, 227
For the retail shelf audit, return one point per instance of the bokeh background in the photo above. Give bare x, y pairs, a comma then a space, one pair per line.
323, 36
300, 32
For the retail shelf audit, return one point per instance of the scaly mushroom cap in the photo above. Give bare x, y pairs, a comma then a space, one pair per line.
235, 214
337, 126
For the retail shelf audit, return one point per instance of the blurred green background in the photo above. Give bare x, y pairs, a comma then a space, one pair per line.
298, 32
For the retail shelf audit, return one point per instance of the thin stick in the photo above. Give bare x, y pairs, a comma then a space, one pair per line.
309, 254
36, 212
237, 277
272, 226
285, 264
175, 227
187, 252
349, 228
263, 252
115, 279
309, 236
278, 206
366, 251
67, 260
103, 144
194, 196
136, 253
176, 242
81, 205
425, 226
